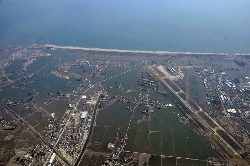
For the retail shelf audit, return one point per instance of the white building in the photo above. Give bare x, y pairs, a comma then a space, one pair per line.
84, 114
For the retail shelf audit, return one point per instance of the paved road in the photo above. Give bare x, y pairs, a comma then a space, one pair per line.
155, 75
37, 134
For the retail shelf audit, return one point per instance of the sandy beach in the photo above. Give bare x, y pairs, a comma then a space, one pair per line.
126, 51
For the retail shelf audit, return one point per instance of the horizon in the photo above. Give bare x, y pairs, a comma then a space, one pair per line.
175, 26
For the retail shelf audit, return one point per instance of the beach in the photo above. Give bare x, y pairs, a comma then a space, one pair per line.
127, 51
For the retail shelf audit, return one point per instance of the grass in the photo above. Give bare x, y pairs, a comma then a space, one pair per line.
192, 78
199, 87
173, 86
182, 95
160, 88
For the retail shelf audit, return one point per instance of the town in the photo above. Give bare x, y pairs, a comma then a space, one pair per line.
80, 106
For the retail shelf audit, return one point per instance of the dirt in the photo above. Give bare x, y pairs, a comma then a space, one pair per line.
143, 158
9, 137
12, 161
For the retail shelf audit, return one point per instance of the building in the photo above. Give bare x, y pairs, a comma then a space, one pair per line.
84, 114
231, 111
52, 158
111, 146
231, 103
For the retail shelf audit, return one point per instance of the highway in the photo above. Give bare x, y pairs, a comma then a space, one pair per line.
37, 134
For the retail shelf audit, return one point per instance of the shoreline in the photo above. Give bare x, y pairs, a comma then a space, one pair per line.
128, 51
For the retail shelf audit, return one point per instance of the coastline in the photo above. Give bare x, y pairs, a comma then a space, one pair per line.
127, 51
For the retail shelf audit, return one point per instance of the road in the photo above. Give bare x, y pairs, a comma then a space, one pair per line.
65, 126
37, 134
195, 116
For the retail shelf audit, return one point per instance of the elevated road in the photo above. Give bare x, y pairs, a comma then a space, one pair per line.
37, 134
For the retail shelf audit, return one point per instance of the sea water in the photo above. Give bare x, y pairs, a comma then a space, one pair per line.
196, 26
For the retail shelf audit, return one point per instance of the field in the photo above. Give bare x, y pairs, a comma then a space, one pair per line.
192, 85
167, 137
163, 135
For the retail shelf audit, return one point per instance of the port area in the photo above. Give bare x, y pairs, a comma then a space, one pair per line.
224, 142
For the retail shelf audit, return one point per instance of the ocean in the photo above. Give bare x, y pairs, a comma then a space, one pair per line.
169, 25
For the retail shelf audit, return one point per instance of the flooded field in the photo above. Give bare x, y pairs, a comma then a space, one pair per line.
193, 86
165, 134
132, 105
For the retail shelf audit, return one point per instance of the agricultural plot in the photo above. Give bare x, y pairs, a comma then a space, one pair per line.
192, 84
169, 161
154, 160
185, 162
121, 75
160, 97
115, 115
164, 134
154, 145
